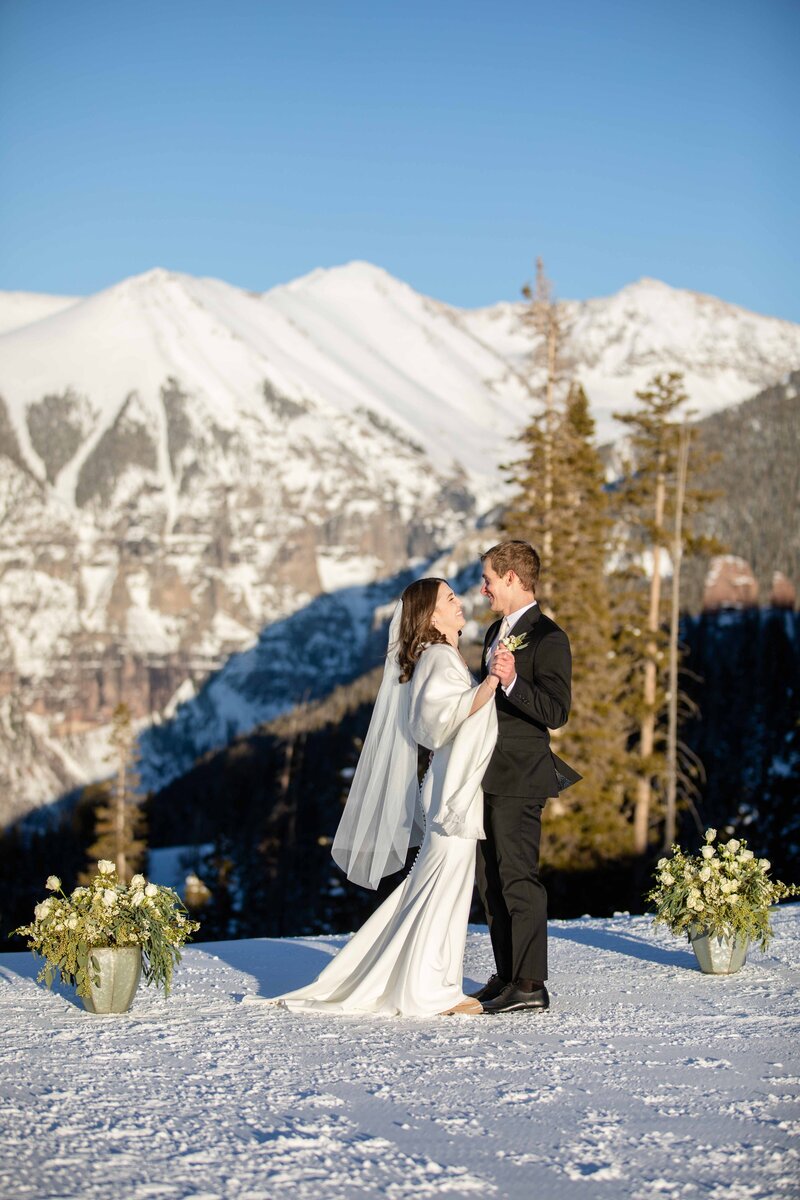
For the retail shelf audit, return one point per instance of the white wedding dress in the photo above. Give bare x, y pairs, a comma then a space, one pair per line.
407, 959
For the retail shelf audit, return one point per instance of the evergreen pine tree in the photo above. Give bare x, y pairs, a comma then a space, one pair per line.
119, 820
547, 384
586, 824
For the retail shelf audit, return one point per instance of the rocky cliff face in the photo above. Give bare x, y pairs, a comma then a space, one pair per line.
189, 472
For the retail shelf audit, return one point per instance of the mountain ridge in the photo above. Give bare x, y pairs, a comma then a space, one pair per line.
183, 462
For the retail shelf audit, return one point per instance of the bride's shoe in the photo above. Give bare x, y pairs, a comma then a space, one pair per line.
468, 1007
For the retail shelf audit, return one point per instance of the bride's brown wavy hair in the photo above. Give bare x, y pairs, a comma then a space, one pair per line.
416, 628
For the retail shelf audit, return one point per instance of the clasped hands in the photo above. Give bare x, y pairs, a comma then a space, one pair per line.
503, 666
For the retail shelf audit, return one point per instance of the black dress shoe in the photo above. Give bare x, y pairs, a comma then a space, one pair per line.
513, 999
490, 990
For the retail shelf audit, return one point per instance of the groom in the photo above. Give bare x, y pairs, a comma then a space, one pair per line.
533, 697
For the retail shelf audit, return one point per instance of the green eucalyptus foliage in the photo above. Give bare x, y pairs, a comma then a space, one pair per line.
66, 929
724, 890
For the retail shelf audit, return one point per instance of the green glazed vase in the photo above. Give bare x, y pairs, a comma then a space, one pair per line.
120, 969
718, 955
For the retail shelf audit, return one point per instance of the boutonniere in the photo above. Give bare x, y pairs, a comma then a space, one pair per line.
515, 641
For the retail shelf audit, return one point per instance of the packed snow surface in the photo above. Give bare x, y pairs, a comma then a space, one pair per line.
645, 1079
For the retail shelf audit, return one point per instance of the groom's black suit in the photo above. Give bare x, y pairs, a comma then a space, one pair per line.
522, 774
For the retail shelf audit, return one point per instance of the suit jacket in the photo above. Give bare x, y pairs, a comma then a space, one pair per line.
522, 763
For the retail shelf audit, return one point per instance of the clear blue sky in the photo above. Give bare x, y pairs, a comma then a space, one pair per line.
447, 142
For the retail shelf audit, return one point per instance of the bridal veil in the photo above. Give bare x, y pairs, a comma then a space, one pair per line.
382, 816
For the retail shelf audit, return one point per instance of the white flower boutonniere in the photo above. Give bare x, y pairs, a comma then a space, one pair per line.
515, 642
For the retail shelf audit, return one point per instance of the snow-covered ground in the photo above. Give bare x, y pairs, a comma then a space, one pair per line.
645, 1079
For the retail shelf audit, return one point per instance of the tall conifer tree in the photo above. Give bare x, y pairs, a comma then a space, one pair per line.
119, 820
547, 383
559, 492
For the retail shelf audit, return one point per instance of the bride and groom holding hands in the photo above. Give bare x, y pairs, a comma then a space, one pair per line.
490, 775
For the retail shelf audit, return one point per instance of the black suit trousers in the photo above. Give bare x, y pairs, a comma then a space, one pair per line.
513, 896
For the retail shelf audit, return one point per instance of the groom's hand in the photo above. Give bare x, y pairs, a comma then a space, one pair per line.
503, 666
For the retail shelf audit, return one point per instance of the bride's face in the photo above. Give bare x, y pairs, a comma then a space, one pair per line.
448, 615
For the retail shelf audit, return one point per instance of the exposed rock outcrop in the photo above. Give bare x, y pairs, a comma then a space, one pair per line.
730, 583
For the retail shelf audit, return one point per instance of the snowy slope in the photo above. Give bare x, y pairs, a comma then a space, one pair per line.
22, 308
645, 1079
413, 354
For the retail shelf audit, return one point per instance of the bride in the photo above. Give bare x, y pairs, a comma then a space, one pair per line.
407, 958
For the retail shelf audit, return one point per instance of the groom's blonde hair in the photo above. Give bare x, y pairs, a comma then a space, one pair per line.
517, 556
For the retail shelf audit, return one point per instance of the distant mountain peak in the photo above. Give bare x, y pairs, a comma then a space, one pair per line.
356, 274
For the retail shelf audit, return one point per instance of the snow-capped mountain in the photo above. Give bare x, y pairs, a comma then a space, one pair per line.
616, 343
184, 463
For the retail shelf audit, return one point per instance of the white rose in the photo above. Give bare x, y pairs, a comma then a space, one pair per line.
105, 867
78, 892
708, 852
151, 890
733, 845
136, 899
72, 923
764, 863
53, 883
710, 835
138, 881
746, 856
705, 874
662, 862
667, 878
109, 897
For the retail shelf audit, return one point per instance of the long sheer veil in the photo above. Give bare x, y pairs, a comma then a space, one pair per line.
382, 816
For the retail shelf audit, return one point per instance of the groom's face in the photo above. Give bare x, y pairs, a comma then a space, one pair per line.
497, 589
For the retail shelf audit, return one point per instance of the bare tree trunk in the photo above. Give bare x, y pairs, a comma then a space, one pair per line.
288, 855
647, 728
546, 322
549, 437
674, 620
119, 821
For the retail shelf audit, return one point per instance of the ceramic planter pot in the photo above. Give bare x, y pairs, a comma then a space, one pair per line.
120, 969
718, 955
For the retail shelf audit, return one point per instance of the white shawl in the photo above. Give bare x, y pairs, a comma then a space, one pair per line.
442, 694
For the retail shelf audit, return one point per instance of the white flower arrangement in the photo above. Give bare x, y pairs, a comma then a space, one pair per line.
723, 889
66, 929
514, 642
